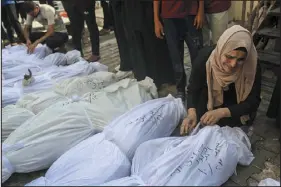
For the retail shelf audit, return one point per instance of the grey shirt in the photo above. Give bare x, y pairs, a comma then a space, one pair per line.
47, 16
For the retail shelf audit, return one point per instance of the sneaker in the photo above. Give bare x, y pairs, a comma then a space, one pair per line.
123, 74
93, 58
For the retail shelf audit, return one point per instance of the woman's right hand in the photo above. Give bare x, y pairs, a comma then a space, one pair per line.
189, 122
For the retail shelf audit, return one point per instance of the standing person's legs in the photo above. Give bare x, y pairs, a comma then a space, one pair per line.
175, 46
90, 17
43, 1
193, 38
8, 26
218, 23
4, 35
106, 14
107, 21
121, 34
12, 14
77, 28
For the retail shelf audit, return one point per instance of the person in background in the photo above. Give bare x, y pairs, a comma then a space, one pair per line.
108, 18
20, 10
122, 37
56, 35
10, 20
4, 37
49, 2
225, 83
216, 12
182, 21
149, 55
82, 12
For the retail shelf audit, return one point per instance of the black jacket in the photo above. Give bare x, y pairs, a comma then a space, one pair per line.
198, 91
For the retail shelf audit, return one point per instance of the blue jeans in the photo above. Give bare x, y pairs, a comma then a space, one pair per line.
178, 30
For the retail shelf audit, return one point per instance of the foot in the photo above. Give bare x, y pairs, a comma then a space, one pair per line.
104, 32
93, 58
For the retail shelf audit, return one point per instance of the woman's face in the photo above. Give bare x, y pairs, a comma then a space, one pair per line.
233, 60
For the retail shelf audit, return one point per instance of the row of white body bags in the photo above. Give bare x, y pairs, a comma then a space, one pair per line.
12, 118
39, 101
207, 158
67, 123
33, 103
101, 159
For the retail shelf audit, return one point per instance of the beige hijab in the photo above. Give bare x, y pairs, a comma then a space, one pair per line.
218, 80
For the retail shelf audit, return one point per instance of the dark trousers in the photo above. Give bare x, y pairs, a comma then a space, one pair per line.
67, 5
58, 39
176, 32
49, 2
77, 26
107, 14
20, 11
4, 34
121, 34
10, 21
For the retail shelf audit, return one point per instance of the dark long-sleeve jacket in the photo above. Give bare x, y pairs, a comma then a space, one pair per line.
198, 91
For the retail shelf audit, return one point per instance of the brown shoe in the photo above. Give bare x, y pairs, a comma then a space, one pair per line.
93, 58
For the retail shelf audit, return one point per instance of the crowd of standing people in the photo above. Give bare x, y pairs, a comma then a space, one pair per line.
225, 82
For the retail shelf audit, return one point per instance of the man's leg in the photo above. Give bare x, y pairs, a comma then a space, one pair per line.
58, 39
12, 14
90, 17
218, 23
193, 38
175, 45
121, 34
106, 14
77, 28
7, 25
33, 36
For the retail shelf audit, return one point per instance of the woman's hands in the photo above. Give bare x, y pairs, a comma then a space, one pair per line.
189, 122
209, 118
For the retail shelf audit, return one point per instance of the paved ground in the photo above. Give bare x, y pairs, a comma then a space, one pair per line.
265, 144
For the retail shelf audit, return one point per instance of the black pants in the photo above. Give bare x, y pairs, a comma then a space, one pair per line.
4, 34
107, 14
20, 11
89, 16
273, 110
58, 39
121, 34
176, 32
49, 2
10, 21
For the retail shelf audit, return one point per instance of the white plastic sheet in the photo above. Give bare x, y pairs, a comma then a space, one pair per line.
73, 56
44, 138
206, 158
82, 85
269, 182
39, 101
12, 118
153, 119
68, 123
91, 162
58, 59
48, 79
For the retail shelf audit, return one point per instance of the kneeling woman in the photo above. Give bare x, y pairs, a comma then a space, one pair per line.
225, 83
